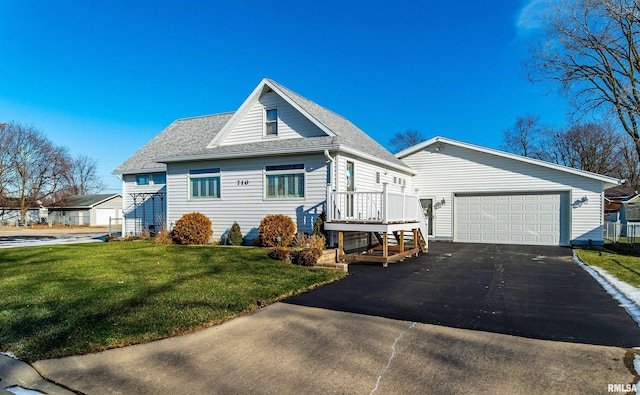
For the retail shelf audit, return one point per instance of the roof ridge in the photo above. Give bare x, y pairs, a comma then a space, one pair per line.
204, 116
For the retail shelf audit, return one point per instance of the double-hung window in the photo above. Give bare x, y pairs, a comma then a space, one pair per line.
204, 183
284, 181
271, 122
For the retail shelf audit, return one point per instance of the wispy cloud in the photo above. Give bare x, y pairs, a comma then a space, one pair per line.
531, 15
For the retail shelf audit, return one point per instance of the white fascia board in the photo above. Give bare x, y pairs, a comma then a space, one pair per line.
115, 195
140, 171
405, 169
251, 154
418, 147
238, 115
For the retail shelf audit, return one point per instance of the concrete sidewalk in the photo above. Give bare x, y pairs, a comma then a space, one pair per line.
286, 349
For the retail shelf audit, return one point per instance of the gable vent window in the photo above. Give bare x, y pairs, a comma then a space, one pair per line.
377, 177
284, 181
204, 183
271, 122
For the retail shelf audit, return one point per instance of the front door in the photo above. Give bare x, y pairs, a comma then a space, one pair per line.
427, 209
351, 182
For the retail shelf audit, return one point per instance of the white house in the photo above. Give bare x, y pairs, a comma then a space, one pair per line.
481, 195
88, 210
279, 153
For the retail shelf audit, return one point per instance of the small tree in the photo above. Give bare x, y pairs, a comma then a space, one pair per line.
235, 235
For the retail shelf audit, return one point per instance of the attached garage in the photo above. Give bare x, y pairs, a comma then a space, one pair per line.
533, 219
474, 194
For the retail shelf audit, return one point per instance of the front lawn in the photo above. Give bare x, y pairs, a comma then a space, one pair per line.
624, 265
65, 300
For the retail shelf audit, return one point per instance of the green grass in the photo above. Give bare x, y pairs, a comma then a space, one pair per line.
625, 264
62, 300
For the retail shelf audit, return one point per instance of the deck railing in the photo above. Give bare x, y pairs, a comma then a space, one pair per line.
372, 207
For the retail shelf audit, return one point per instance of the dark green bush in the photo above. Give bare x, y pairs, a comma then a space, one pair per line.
235, 235
274, 226
192, 228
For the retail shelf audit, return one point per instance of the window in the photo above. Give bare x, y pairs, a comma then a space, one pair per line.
271, 122
204, 183
377, 177
142, 179
151, 179
284, 181
159, 178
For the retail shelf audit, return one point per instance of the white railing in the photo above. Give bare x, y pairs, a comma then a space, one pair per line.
372, 207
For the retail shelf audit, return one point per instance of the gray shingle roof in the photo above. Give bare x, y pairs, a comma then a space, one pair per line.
87, 201
189, 138
182, 138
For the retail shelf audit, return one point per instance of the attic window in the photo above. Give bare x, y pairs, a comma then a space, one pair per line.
271, 122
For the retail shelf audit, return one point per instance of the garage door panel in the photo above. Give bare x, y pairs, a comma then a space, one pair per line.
509, 219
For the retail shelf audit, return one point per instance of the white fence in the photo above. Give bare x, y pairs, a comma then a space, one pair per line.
622, 233
372, 207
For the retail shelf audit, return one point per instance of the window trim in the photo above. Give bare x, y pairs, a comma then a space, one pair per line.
268, 122
195, 174
286, 169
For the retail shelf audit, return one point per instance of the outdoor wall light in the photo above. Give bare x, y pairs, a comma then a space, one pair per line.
439, 204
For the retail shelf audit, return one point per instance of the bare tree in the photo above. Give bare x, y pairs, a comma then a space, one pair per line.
591, 49
36, 166
629, 165
525, 137
409, 138
82, 177
591, 147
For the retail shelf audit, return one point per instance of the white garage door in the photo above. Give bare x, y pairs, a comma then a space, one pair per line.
511, 219
103, 214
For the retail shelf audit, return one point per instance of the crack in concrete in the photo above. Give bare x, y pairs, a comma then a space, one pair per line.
393, 354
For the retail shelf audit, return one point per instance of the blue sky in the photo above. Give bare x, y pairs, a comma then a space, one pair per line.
104, 77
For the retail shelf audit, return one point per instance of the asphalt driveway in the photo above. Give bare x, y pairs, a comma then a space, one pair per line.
535, 292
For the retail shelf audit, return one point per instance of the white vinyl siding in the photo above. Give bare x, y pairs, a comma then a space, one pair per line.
457, 170
243, 199
367, 174
291, 123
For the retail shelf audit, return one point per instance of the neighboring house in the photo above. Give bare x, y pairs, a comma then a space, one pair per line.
482, 195
10, 215
88, 210
279, 153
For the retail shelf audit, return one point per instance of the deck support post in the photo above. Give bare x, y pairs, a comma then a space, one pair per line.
340, 246
369, 243
415, 241
385, 248
401, 241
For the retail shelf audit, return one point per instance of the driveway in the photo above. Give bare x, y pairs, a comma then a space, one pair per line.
535, 292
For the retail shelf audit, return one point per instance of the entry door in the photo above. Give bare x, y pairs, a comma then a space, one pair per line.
427, 209
351, 182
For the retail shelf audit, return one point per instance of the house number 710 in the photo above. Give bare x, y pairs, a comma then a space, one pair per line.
243, 182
